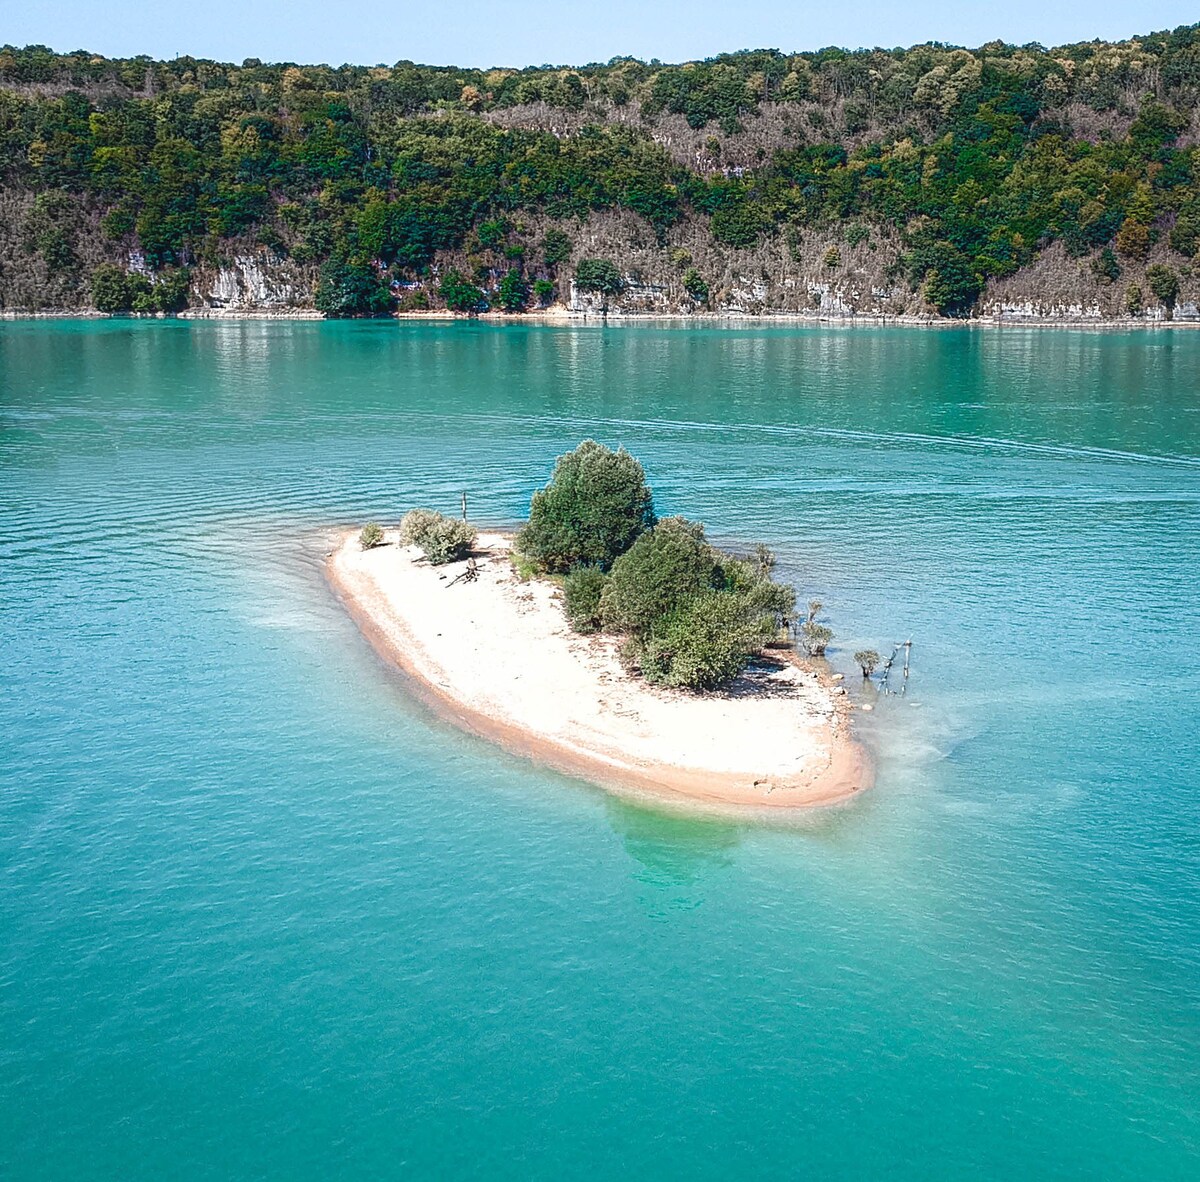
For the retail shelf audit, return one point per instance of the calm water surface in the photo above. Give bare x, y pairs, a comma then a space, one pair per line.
261, 916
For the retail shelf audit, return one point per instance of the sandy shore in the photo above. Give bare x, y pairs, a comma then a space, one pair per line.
496, 656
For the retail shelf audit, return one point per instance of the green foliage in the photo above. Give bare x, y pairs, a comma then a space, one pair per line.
867, 660
543, 291
599, 275
460, 295
114, 290
976, 158
949, 283
348, 288
833, 258
695, 286
1105, 265
1133, 300
442, 539
665, 566
1164, 282
706, 642
556, 247
109, 292
815, 637
513, 293
371, 536
582, 589
596, 505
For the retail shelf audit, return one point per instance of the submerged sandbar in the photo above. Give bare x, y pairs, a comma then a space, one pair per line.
497, 656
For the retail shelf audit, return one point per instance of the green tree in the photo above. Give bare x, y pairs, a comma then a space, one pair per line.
348, 288
665, 566
1105, 265
460, 295
556, 247
582, 590
867, 660
694, 285
513, 293
109, 290
705, 643
1164, 282
599, 275
596, 505
371, 536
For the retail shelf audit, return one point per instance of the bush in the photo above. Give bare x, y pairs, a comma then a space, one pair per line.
513, 293
867, 660
109, 292
582, 589
694, 285
815, 637
594, 508
706, 642
556, 247
663, 568
371, 536
543, 291
1105, 266
461, 296
348, 288
442, 539
599, 275
1164, 283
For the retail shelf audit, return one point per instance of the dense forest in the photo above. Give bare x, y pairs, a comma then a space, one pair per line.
930, 180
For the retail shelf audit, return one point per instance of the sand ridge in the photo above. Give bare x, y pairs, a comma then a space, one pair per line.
497, 657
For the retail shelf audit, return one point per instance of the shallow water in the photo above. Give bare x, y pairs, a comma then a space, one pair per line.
264, 917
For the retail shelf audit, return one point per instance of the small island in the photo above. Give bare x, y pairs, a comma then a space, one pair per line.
609, 644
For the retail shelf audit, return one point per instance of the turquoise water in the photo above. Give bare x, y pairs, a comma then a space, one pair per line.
262, 916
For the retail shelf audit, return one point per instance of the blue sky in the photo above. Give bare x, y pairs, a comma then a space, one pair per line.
520, 32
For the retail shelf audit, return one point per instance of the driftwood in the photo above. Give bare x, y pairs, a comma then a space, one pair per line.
468, 574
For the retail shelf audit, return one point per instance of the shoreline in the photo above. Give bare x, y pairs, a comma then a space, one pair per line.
575, 710
563, 317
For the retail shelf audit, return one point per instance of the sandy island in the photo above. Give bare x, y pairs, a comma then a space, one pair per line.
497, 657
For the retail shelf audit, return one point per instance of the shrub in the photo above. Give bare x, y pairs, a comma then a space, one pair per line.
556, 247
348, 288
543, 291
1105, 265
513, 293
1133, 300
582, 589
867, 660
371, 536
442, 539
461, 296
833, 257
663, 568
109, 291
1164, 283
594, 508
815, 637
694, 285
706, 642
599, 275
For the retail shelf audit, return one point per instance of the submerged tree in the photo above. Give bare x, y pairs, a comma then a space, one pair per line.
868, 661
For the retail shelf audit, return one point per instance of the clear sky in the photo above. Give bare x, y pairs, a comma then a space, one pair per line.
522, 32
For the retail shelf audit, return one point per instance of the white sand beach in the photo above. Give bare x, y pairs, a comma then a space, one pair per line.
497, 657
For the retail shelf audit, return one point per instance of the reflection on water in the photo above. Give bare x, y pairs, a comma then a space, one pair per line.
676, 855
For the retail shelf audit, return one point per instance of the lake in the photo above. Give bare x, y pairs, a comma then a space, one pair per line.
264, 916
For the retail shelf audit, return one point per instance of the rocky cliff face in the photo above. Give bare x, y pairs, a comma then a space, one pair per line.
820, 274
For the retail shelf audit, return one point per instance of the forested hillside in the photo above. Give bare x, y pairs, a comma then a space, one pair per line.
931, 180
